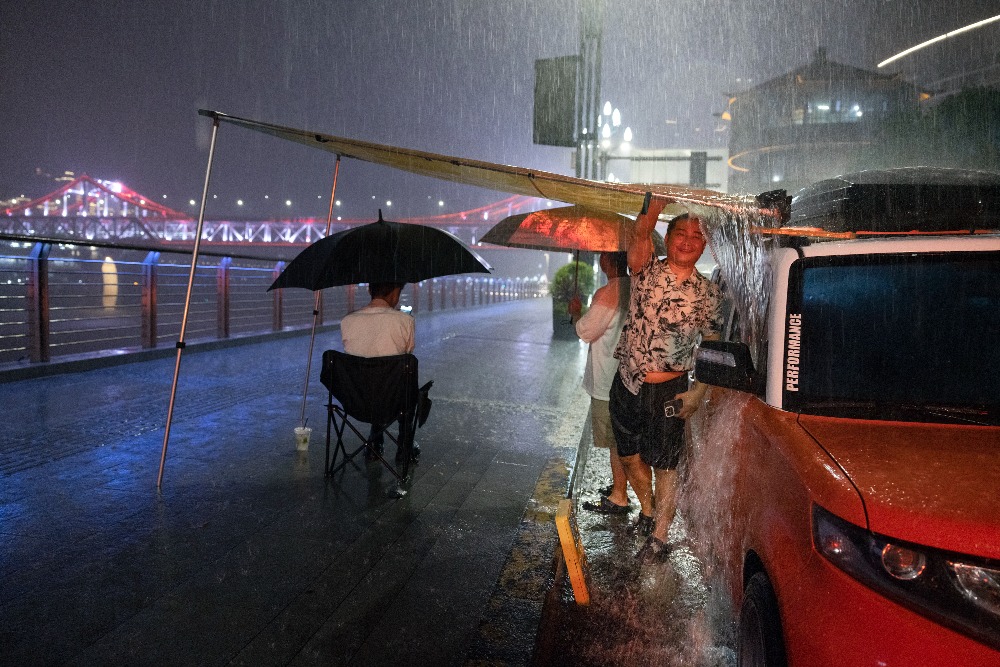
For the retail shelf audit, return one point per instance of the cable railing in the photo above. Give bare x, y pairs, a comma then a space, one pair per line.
62, 299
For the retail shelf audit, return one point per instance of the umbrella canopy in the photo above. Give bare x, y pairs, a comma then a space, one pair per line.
566, 228
381, 251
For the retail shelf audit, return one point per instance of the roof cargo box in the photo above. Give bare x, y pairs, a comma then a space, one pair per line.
920, 199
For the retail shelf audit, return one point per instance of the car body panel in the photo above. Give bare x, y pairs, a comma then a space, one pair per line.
775, 469
930, 484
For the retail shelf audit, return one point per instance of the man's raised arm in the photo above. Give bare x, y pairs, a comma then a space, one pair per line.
640, 240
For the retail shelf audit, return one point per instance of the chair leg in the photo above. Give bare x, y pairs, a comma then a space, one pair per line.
404, 444
339, 428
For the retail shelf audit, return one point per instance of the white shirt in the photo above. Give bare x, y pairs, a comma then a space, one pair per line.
377, 331
601, 326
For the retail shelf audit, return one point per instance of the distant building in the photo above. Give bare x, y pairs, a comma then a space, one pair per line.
704, 168
805, 125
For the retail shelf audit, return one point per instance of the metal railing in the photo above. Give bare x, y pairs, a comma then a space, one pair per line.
60, 299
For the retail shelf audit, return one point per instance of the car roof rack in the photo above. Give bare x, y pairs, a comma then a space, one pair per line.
908, 200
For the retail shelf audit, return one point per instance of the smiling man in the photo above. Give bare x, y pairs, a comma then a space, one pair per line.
672, 307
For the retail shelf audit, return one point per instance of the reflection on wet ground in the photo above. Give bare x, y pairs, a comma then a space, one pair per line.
249, 554
660, 614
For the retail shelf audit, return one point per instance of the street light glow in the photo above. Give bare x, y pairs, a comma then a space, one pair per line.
939, 38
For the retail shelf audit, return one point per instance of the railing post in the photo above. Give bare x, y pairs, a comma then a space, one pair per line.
222, 289
38, 302
415, 297
454, 292
351, 289
149, 300
277, 301
430, 296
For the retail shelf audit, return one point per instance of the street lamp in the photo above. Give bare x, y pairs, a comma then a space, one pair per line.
616, 141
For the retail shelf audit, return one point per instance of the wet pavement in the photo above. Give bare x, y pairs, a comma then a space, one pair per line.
248, 554
659, 614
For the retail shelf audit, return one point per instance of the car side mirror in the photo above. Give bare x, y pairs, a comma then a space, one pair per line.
727, 364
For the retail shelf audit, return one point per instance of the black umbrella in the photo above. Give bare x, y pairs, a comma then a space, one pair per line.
380, 252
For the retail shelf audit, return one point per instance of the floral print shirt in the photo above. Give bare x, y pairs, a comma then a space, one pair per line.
666, 319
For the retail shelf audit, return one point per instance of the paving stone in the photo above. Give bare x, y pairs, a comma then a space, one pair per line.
247, 554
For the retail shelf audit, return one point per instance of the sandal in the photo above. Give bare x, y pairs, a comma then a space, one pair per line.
643, 526
653, 551
606, 507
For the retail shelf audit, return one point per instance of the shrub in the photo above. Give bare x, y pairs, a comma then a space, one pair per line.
563, 282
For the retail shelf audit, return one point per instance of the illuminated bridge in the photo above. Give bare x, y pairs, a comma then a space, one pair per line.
95, 210
96, 268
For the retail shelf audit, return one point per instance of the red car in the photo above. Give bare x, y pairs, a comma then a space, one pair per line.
846, 466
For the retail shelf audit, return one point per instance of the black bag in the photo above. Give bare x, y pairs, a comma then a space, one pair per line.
423, 403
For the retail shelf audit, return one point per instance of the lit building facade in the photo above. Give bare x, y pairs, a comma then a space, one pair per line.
806, 125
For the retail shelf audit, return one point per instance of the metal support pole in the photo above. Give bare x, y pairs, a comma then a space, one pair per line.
222, 298
38, 302
316, 301
278, 302
187, 298
149, 299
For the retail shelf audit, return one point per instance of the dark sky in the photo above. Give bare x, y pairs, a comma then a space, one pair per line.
112, 87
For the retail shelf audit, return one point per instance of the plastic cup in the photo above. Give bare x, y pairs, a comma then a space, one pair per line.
302, 434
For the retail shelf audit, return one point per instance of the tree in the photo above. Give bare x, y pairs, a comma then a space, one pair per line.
573, 277
569, 279
960, 132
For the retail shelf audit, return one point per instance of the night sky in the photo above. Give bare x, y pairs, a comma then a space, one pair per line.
112, 88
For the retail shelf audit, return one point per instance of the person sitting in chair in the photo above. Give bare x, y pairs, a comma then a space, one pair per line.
380, 330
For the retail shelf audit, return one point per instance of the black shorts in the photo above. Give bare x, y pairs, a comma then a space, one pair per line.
640, 425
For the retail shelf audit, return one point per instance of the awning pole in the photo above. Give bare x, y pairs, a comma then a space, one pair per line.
312, 337
187, 299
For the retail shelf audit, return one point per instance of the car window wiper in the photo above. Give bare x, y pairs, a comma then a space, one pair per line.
981, 416
970, 415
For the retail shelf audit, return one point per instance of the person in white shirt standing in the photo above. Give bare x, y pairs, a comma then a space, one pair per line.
601, 327
380, 330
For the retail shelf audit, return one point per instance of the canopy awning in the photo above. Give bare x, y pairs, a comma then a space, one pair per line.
624, 198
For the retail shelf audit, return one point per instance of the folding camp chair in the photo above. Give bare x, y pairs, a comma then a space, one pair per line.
374, 390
